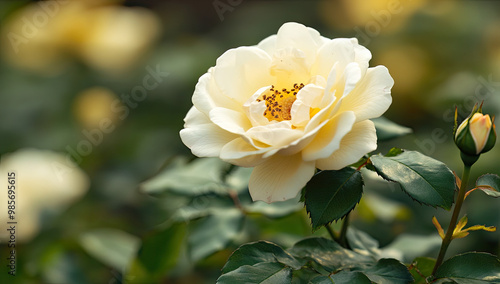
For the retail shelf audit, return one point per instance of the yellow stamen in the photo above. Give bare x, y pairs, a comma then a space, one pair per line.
279, 102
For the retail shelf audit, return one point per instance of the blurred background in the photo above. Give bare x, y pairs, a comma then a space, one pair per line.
93, 95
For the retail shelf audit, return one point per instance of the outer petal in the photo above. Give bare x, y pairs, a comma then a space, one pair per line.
207, 95
203, 137
372, 95
360, 140
239, 152
329, 137
241, 71
230, 120
268, 44
280, 178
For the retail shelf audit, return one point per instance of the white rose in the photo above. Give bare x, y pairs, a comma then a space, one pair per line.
295, 102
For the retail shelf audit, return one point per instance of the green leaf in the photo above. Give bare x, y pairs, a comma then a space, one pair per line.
203, 205
489, 184
330, 195
471, 267
426, 180
360, 241
157, 255
265, 273
328, 254
257, 252
112, 247
387, 129
388, 271
214, 232
343, 277
411, 246
198, 177
421, 268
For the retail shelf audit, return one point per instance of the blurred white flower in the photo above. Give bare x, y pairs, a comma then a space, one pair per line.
45, 184
295, 102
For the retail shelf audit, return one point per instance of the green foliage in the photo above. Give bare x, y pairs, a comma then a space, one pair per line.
258, 252
472, 267
214, 232
158, 254
426, 180
317, 260
489, 184
330, 195
387, 130
343, 277
421, 268
113, 247
264, 273
195, 178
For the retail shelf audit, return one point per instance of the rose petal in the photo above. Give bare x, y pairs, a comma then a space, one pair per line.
241, 71
203, 137
308, 97
275, 134
361, 140
207, 95
329, 136
241, 153
301, 37
230, 120
280, 178
372, 95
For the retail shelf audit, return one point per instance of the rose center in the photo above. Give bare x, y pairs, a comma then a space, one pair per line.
279, 102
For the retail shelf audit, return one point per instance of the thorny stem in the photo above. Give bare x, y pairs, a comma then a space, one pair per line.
453, 222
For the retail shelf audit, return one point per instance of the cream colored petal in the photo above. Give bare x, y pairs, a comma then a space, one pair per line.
361, 55
280, 178
301, 37
339, 52
255, 110
362, 139
268, 44
204, 138
241, 153
372, 95
275, 134
329, 136
230, 120
241, 71
207, 95
308, 97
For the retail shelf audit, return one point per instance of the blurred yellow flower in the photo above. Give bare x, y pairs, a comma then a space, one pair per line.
47, 183
295, 102
106, 36
94, 105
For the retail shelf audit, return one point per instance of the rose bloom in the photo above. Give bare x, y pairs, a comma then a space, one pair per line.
295, 102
